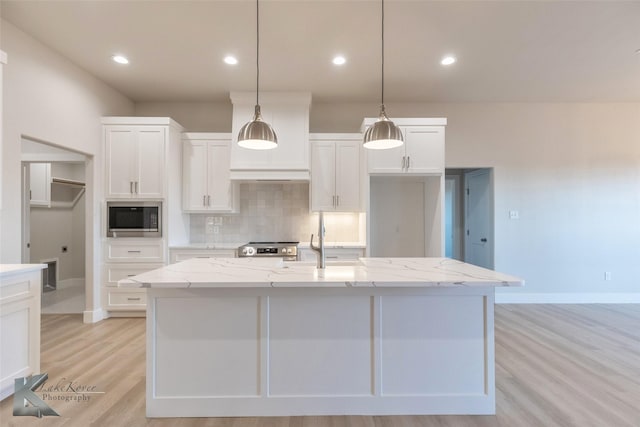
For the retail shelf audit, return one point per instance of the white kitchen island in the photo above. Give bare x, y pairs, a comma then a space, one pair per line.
259, 337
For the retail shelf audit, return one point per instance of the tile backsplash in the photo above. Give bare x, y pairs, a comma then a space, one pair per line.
271, 212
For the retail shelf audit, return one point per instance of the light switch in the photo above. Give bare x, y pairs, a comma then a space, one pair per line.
514, 215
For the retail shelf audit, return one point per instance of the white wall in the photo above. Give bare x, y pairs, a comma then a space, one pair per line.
571, 170
45, 97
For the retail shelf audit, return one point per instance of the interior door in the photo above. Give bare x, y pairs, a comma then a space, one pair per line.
479, 218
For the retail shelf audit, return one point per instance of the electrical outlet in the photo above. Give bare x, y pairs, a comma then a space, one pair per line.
514, 215
607, 275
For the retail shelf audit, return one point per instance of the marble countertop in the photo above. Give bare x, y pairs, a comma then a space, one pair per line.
368, 272
8, 269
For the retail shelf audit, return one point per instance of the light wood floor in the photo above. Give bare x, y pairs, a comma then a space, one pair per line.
556, 365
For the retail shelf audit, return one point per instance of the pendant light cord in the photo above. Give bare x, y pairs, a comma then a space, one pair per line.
257, 54
382, 91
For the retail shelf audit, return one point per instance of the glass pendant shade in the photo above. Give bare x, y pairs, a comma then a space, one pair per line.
257, 134
383, 134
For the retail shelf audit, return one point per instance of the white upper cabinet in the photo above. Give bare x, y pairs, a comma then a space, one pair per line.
335, 172
288, 114
422, 152
206, 179
40, 184
135, 159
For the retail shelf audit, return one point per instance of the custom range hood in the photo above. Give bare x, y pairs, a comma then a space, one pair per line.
288, 114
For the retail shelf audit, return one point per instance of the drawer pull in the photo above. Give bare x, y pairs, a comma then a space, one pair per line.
130, 275
133, 299
134, 252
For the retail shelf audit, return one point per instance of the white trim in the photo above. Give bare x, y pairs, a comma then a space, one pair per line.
567, 298
3, 57
89, 316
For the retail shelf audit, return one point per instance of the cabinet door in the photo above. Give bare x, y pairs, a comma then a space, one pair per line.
219, 194
425, 149
40, 184
150, 162
323, 173
386, 161
348, 176
194, 175
121, 158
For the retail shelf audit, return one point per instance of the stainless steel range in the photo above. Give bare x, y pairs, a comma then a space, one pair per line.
285, 250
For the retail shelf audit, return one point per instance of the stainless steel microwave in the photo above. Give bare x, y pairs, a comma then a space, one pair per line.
134, 219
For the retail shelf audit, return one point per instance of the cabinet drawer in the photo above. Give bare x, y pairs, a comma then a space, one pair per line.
343, 254
139, 251
126, 300
178, 255
115, 272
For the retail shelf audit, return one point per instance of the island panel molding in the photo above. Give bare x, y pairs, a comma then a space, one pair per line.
319, 351
263, 337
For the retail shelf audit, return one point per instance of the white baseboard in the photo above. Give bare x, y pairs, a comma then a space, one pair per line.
93, 316
71, 283
567, 298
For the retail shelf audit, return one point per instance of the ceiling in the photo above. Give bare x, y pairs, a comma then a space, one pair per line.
538, 51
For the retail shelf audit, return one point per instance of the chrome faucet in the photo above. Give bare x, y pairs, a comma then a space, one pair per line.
319, 249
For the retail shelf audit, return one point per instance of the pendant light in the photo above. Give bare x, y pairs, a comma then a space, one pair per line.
257, 134
383, 133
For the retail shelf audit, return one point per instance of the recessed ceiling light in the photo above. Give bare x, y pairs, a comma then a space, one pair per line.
231, 60
120, 59
448, 60
339, 60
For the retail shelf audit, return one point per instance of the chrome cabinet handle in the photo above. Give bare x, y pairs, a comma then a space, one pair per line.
208, 200
130, 275
131, 187
133, 299
134, 252
337, 200
136, 187
408, 162
204, 200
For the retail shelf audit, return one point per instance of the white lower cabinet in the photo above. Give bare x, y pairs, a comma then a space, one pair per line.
126, 299
125, 258
334, 255
134, 250
20, 291
183, 254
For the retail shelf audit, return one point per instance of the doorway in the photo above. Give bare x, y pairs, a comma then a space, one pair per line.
469, 216
53, 221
